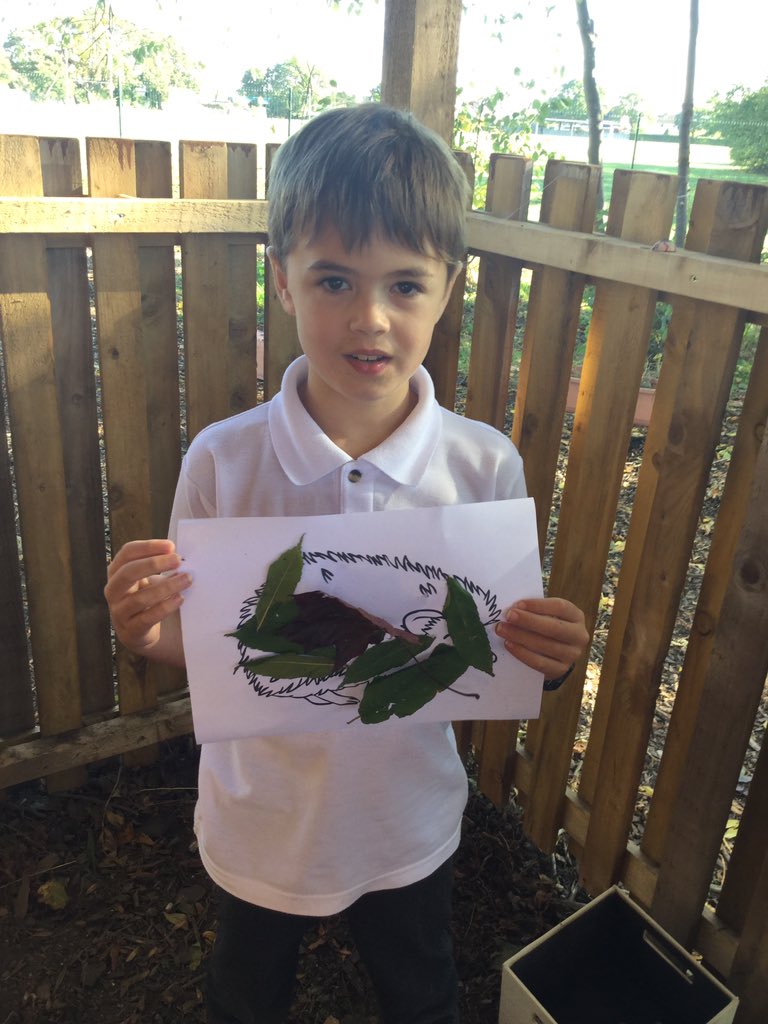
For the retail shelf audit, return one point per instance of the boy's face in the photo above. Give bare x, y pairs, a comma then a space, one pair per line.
364, 320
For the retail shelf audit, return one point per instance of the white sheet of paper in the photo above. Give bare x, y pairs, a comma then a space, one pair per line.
392, 565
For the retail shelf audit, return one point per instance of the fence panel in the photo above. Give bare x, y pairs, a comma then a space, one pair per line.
38, 457
641, 211
730, 516
700, 356
731, 692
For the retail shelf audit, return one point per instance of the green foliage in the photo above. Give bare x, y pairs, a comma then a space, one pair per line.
480, 128
290, 90
742, 120
95, 55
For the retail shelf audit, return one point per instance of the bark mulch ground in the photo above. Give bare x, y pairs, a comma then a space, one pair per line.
107, 917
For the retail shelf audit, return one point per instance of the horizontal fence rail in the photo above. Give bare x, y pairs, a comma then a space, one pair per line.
134, 315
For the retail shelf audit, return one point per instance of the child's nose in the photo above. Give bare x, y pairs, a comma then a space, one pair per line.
369, 315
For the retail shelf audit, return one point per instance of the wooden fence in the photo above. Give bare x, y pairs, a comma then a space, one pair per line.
92, 312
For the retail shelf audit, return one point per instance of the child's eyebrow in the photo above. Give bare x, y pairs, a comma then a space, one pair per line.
329, 266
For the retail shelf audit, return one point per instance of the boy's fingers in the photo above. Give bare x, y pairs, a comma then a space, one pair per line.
127, 571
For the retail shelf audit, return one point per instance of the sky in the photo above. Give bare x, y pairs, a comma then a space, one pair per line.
641, 48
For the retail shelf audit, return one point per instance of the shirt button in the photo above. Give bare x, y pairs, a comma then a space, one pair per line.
354, 475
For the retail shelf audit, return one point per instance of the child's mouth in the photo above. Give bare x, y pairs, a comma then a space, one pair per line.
369, 363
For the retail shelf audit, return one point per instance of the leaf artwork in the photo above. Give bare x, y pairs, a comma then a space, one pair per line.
313, 635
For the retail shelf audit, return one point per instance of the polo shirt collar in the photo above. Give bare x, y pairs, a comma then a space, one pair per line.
306, 454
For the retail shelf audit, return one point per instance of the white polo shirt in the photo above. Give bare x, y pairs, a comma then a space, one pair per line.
306, 824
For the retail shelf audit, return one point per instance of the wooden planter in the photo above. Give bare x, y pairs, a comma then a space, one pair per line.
643, 408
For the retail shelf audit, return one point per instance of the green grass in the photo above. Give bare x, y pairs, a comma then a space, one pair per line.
694, 173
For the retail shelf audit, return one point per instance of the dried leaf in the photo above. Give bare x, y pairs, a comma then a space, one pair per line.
384, 657
313, 665
325, 621
53, 894
283, 577
466, 628
177, 920
403, 692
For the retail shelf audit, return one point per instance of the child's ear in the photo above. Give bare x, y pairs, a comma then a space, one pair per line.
280, 278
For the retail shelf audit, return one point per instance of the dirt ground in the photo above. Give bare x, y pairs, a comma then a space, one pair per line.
107, 917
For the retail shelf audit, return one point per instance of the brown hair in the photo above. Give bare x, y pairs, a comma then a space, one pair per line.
368, 170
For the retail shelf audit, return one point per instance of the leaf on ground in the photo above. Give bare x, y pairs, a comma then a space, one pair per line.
465, 627
177, 920
53, 894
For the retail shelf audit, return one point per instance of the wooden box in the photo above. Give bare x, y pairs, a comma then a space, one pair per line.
610, 963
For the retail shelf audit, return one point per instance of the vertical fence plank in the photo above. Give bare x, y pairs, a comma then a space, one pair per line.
493, 333
159, 328
242, 173
281, 343
750, 850
442, 359
731, 693
205, 262
117, 280
76, 384
160, 339
701, 352
730, 517
641, 210
743, 904
17, 712
554, 300
498, 286
568, 202
25, 316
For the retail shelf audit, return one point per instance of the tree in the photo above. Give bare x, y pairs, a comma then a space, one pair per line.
94, 55
686, 117
569, 101
741, 119
286, 89
591, 95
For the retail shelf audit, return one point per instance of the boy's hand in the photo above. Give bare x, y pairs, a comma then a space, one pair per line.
141, 599
547, 634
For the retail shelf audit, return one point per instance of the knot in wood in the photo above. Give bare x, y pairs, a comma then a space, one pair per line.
752, 575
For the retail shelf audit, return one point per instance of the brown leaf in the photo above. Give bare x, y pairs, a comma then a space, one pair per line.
326, 621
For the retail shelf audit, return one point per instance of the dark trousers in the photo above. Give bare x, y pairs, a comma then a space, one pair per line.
402, 935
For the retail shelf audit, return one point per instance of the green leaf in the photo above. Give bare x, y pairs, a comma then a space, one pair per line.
283, 577
263, 637
315, 665
404, 692
383, 657
466, 629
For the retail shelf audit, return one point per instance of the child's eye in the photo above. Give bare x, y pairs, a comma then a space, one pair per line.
334, 284
408, 288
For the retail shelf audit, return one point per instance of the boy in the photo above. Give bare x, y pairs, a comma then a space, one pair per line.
366, 227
